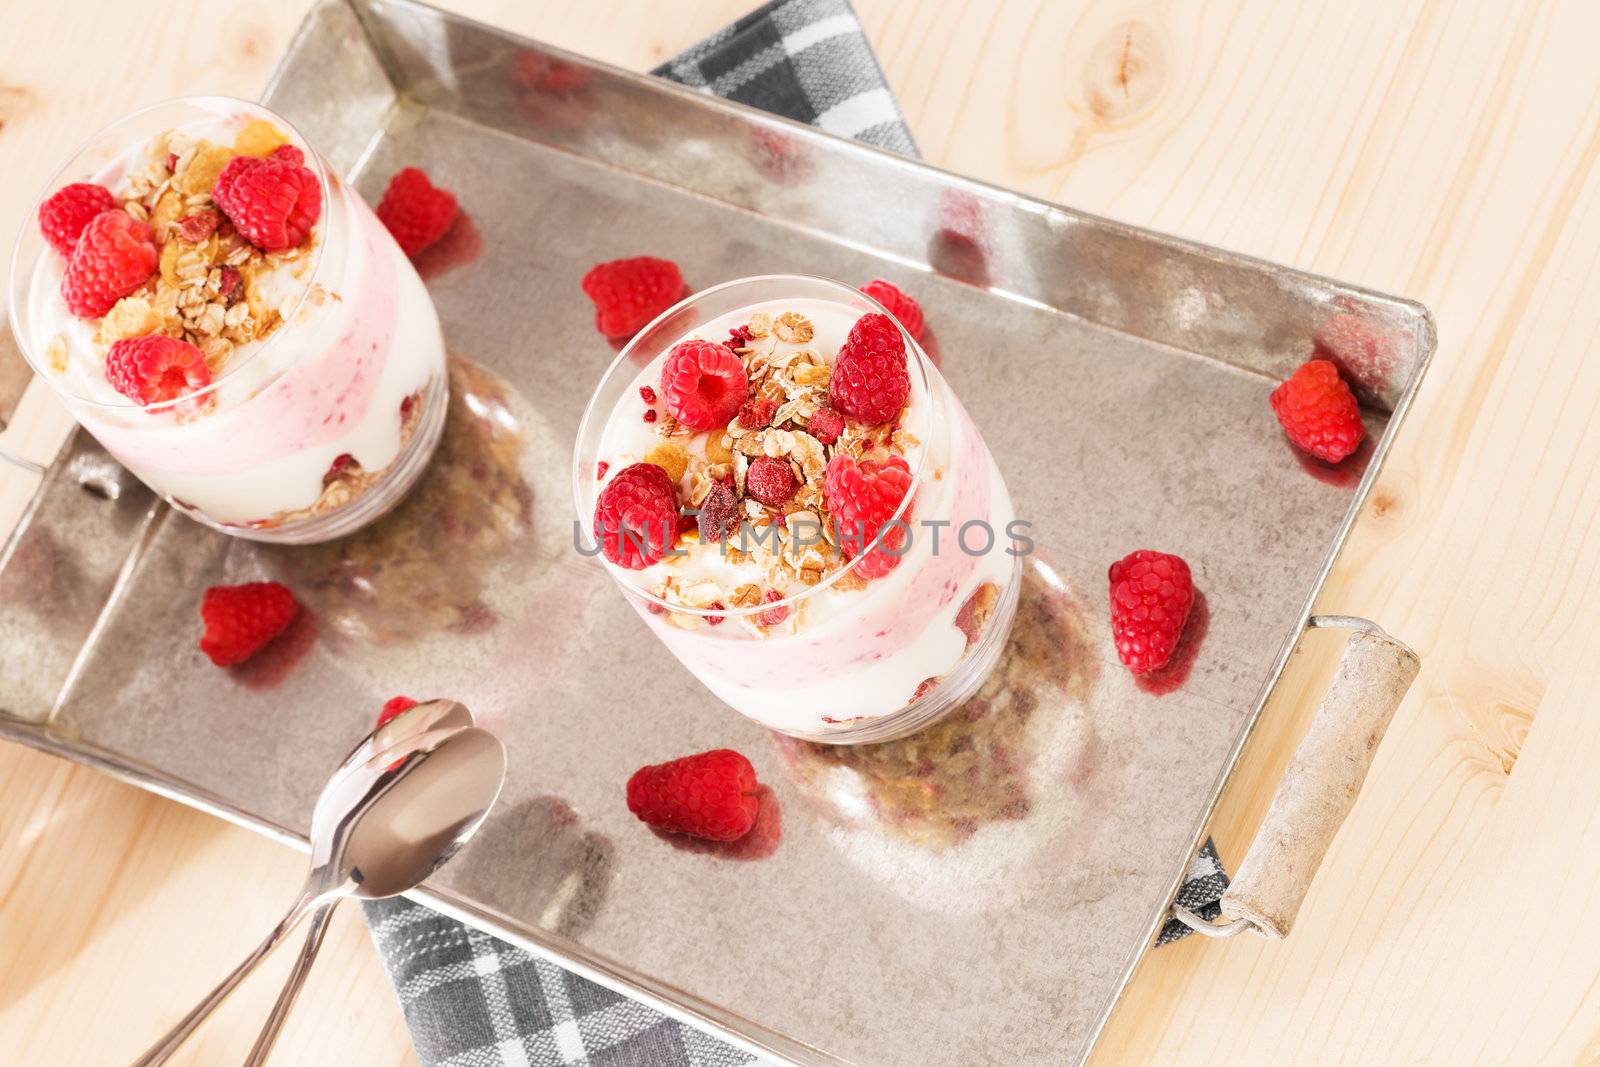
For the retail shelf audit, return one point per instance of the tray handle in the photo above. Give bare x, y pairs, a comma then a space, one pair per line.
1320, 786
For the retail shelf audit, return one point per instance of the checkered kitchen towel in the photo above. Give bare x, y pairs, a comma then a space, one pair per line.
474, 1001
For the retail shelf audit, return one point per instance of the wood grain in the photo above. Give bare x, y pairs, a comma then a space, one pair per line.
1445, 151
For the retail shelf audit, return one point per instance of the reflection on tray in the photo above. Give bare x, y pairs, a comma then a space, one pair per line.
567, 874
422, 568
981, 764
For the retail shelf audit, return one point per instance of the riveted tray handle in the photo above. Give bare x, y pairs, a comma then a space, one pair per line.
1322, 782
1320, 786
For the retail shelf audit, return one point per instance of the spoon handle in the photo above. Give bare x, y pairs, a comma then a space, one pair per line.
163, 1049
291, 986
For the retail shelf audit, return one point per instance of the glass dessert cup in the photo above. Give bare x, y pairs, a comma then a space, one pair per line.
832, 655
327, 387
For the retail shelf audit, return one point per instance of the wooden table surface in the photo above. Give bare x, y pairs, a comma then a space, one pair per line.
1444, 151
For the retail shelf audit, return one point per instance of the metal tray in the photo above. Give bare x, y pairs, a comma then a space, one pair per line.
980, 890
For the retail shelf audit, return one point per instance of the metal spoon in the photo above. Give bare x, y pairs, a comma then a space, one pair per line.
418, 719
400, 806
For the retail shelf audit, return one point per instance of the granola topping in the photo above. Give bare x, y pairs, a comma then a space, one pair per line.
778, 548
213, 288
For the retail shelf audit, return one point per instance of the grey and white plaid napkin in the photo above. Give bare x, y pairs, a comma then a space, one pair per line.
471, 1000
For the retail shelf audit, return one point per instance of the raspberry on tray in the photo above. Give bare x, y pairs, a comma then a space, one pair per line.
416, 211
628, 293
711, 795
241, 620
1151, 594
1318, 412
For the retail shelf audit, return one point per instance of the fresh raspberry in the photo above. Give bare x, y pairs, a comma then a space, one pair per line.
1151, 594
156, 368
63, 216
863, 497
647, 394
649, 415
273, 203
416, 211
114, 256
719, 516
628, 293
757, 412
772, 616
394, 706
600, 470
711, 795
869, 380
826, 425
242, 619
899, 303
1318, 411
290, 154
770, 481
704, 384
636, 517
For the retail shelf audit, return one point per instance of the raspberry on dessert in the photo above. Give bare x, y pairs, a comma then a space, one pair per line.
114, 255
757, 412
416, 211
230, 284
1318, 411
649, 415
900, 305
826, 425
863, 497
395, 706
628, 293
600, 470
716, 620
719, 516
739, 337
1151, 594
772, 616
770, 481
336, 468
156, 368
703, 384
291, 154
647, 394
241, 620
197, 227
711, 795
71, 208
273, 203
636, 516
869, 380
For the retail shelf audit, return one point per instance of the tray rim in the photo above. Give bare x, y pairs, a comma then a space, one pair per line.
752, 1036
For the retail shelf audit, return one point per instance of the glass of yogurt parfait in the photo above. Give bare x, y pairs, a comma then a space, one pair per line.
231, 321
791, 496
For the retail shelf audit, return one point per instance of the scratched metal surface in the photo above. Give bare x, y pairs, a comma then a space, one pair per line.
985, 885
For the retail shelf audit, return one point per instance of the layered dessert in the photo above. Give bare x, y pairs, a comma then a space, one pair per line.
802, 510
233, 323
